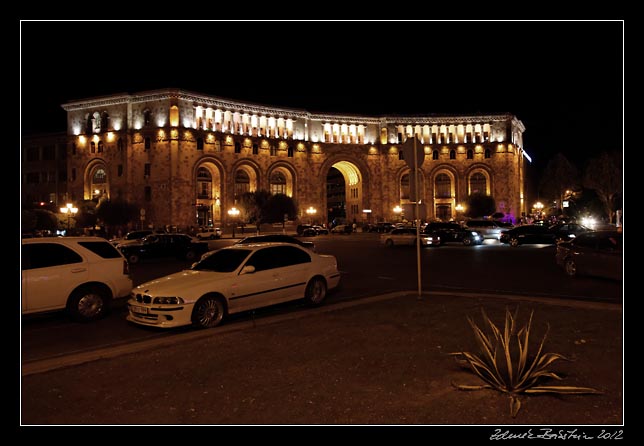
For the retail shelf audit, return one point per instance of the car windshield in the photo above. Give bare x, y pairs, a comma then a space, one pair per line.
222, 261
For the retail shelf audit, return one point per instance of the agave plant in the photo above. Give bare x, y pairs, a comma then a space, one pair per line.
506, 364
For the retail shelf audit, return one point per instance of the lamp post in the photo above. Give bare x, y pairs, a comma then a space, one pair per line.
538, 207
398, 212
69, 210
233, 213
311, 211
459, 210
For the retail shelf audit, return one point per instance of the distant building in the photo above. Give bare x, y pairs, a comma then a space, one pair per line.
185, 158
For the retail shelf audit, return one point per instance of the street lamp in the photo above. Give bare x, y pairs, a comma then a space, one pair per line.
398, 211
233, 213
69, 210
538, 206
311, 211
459, 210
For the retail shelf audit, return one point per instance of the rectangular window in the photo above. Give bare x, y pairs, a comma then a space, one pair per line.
32, 154
33, 178
255, 149
290, 152
49, 153
119, 170
401, 155
148, 143
73, 174
62, 176
237, 147
148, 193
51, 176
146, 170
273, 151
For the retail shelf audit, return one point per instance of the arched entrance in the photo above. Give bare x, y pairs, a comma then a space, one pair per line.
344, 193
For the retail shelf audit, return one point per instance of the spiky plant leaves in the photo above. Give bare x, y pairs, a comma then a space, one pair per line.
505, 364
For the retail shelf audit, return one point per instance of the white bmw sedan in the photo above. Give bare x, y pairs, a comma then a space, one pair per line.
234, 279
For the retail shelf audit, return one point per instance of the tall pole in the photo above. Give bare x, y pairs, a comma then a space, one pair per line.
417, 219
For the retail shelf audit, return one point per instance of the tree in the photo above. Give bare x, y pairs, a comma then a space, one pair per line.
603, 174
116, 212
252, 204
480, 205
559, 176
277, 206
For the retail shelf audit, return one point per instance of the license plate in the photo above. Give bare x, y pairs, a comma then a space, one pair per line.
137, 309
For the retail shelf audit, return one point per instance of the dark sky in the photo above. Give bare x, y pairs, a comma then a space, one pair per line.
562, 79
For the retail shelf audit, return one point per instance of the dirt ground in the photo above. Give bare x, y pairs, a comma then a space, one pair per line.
379, 363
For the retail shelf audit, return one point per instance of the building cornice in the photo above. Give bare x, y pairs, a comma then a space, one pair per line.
263, 110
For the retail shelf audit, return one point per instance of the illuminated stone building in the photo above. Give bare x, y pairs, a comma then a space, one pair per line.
185, 158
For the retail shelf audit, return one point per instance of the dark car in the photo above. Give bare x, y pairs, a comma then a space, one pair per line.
380, 227
180, 246
132, 235
568, 231
593, 253
276, 238
528, 234
453, 233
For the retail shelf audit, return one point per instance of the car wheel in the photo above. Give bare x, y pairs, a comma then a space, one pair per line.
191, 255
88, 304
514, 242
208, 312
133, 258
467, 241
570, 267
389, 243
316, 291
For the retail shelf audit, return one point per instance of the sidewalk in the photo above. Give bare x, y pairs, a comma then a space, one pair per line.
375, 361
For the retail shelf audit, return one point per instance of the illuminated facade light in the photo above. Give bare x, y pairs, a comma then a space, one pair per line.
110, 136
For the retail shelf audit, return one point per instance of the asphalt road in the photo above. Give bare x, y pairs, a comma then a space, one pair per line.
368, 269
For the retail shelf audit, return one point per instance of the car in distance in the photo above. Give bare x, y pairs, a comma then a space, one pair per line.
568, 231
528, 235
208, 233
489, 229
408, 237
342, 229
80, 275
262, 238
233, 279
593, 253
180, 246
453, 233
132, 236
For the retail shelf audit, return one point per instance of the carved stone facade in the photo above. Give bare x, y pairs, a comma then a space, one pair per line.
185, 158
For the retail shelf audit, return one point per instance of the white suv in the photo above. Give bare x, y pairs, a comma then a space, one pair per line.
78, 274
208, 233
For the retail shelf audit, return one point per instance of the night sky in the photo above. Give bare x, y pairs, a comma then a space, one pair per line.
563, 79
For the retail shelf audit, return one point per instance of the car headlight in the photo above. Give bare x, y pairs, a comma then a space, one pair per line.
168, 300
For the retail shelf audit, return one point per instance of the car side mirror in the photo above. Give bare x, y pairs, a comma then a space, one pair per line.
248, 269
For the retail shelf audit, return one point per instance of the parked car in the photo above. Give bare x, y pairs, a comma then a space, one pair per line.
593, 253
307, 230
208, 233
567, 231
180, 246
235, 278
380, 227
131, 236
408, 236
321, 230
78, 274
453, 233
263, 238
342, 229
528, 234
489, 229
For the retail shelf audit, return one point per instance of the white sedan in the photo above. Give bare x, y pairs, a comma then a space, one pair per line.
408, 236
234, 279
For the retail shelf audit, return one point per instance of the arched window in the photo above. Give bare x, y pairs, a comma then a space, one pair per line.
443, 186
204, 183
470, 154
277, 183
478, 183
242, 183
452, 154
147, 117
404, 187
119, 145
100, 146
174, 116
96, 122
92, 147
435, 154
